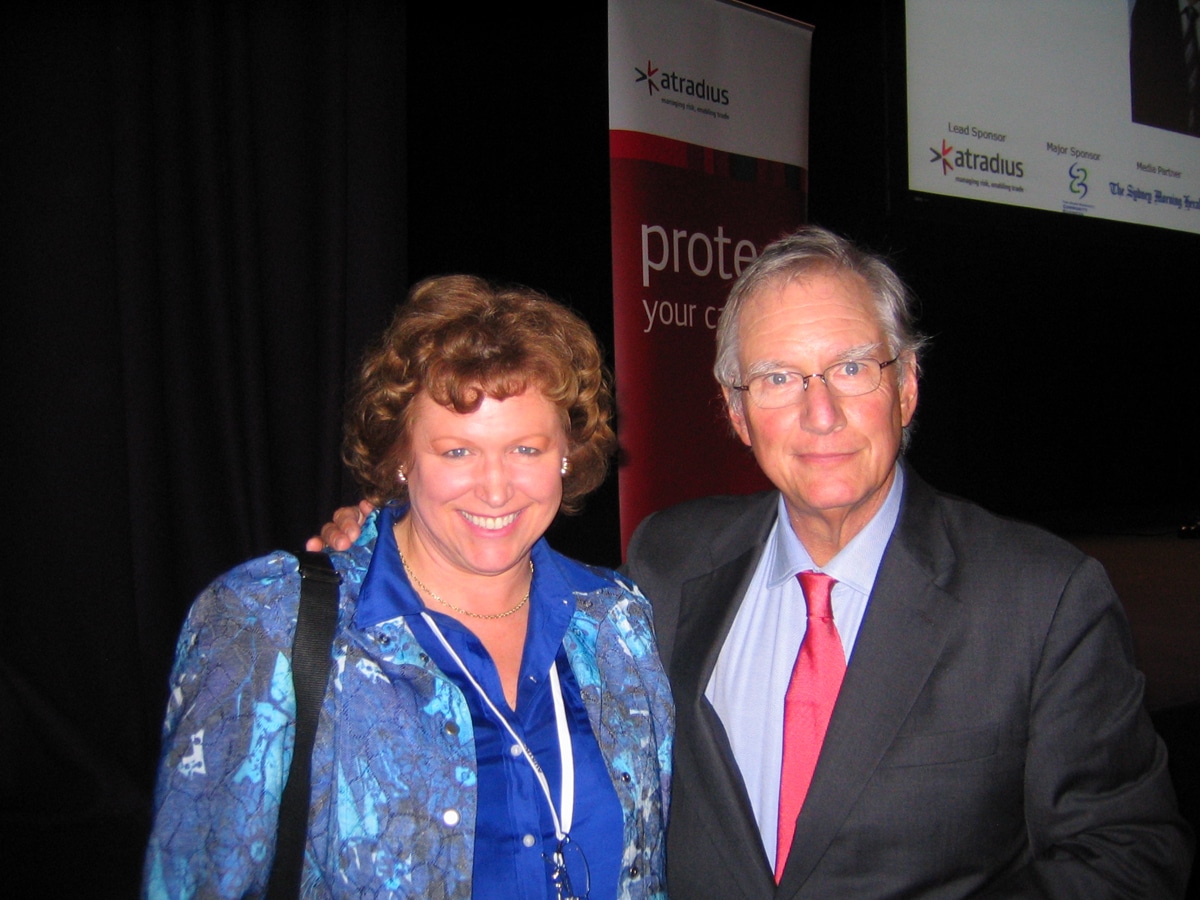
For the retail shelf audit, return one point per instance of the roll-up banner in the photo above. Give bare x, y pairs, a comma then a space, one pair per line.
708, 147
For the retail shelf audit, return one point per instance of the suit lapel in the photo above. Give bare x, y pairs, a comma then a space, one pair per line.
902, 636
708, 607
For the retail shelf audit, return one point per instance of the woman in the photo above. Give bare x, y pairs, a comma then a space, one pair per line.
479, 679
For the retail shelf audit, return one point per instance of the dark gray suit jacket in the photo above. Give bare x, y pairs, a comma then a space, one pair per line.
989, 737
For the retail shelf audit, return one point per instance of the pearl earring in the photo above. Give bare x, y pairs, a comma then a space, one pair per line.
400, 475
566, 467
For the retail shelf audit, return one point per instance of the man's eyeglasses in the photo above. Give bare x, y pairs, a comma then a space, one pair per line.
848, 378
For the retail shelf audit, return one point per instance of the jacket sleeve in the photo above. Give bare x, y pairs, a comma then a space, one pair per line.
652, 564
658, 690
643, 867
1099, 804
227, 738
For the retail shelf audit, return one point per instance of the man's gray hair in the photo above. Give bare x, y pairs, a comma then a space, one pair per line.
808, 251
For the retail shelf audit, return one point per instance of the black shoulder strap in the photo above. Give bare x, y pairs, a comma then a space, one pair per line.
315, 624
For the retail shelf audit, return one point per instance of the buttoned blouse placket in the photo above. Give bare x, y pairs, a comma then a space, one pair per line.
563, 817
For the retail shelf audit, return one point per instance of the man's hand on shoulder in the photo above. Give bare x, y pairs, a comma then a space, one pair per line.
344, 530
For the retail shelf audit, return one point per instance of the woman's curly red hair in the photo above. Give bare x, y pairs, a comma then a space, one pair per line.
460, 339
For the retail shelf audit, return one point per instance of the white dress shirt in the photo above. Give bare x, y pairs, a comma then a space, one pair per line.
750, 679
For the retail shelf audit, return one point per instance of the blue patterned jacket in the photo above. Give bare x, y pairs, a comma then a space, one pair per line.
394, 801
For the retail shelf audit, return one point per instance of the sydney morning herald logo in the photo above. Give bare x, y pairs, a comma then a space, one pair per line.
673, 83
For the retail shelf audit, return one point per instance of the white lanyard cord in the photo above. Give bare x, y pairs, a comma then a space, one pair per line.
562, 827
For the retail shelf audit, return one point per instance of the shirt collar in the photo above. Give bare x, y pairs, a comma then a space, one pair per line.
856, 564
386, 593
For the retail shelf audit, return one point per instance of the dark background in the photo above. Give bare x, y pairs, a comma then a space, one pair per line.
208, 208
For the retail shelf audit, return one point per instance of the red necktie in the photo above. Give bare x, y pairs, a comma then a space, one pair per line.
812, 691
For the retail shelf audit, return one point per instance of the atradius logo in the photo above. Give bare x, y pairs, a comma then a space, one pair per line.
675, 83
951, 159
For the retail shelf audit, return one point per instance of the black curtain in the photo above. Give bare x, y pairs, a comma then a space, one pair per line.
203, 215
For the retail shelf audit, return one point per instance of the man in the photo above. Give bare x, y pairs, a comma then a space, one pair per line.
988, 736
983, 732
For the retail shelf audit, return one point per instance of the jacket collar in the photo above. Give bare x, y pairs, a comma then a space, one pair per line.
386, 593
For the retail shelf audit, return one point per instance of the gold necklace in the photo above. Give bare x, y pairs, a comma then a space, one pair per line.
458, 609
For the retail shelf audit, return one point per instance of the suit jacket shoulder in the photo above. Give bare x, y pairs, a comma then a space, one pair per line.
702, 533
943, 532
687, 541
